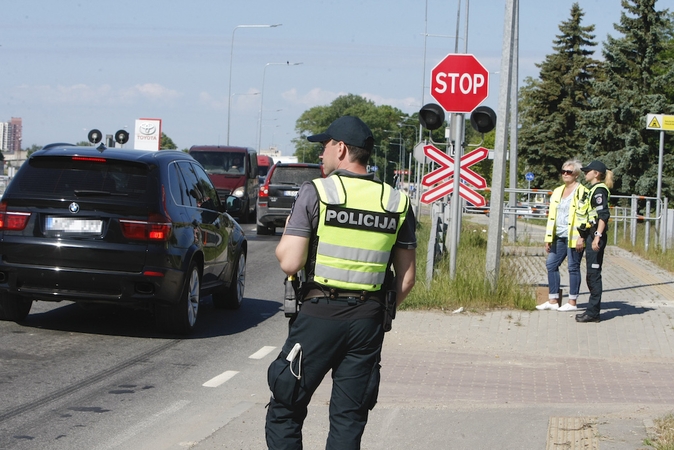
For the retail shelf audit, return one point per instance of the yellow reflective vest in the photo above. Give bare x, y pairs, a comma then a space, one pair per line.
577, 213
358, 225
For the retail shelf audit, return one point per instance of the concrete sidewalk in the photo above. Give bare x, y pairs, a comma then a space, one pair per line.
516, 379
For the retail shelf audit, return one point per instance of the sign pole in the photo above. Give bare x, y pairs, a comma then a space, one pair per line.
455, 228
659, 189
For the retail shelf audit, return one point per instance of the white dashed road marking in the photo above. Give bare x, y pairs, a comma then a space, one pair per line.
264, 351
223, 377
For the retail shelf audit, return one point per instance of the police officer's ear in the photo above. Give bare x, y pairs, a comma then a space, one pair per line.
342, 150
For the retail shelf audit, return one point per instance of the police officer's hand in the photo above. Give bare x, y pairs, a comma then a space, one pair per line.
596, 243
547, 247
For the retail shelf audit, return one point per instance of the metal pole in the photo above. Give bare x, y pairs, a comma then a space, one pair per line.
496, 213
512, 196
659, 188
231, 56
259, 119
456, 198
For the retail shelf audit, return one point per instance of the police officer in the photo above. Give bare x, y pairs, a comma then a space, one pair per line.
601, 181
345, 231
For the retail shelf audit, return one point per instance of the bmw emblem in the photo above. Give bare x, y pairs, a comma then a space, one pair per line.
74, 208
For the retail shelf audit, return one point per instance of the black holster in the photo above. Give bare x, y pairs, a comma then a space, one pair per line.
389, 310
291, 300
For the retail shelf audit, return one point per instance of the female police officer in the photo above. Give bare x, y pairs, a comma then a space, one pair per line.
344, 231
601, 180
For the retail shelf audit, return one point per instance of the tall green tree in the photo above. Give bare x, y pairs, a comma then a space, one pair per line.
386, 122
637, 81
167, 143
551, 106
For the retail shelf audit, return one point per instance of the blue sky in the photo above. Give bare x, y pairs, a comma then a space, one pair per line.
72, 65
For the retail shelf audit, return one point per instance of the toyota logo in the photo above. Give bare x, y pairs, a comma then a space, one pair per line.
147, 128
74, 208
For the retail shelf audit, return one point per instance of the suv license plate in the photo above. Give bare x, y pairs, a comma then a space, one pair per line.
71, 225
290, 193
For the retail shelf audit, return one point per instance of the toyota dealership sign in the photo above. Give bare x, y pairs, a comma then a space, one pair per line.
147, 134
459, 83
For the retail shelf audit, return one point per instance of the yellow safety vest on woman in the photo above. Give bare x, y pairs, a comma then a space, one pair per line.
356, 231
577, 213
592, 216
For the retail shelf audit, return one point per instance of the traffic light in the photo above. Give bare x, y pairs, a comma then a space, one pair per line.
431, 116
95, 136
483, 119
122, 137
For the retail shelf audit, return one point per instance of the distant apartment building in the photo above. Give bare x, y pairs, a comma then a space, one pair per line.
10, 135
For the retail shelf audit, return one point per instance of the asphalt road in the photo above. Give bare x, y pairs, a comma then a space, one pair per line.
104, 378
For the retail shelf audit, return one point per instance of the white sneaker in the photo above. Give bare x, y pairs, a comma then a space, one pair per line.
567, 307
548, 305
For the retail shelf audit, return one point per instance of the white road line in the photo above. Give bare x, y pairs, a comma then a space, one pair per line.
223, 377
137, 428
264, 351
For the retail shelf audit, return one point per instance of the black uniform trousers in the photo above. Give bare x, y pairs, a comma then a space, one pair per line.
349, 344
593, 263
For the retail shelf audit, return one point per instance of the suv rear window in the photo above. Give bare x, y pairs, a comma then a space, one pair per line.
66, 176
294, 175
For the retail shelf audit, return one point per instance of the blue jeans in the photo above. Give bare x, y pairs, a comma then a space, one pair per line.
559, 250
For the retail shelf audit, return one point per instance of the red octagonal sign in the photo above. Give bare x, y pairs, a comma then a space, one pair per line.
459, 83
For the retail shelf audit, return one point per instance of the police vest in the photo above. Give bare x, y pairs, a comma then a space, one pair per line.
577, 213
358, 225
592, 215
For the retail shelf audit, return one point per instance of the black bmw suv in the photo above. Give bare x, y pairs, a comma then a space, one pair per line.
144, 229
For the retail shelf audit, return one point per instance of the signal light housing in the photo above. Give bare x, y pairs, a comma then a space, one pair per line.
483, 119
431, 116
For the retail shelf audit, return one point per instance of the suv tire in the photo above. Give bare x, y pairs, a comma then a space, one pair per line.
265, 229
231, 297
14, 307
182, 317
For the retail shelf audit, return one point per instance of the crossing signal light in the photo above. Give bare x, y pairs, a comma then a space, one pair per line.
122, 137
431, 116
95, 136
483, 119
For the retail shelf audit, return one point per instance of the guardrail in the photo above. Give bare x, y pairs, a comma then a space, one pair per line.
626, 216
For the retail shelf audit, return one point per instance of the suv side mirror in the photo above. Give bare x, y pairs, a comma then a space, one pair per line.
232, 204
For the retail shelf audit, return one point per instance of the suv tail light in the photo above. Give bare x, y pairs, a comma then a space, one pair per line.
12, 220
264, 191
155, 228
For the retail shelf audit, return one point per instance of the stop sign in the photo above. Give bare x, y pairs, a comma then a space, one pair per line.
459, 83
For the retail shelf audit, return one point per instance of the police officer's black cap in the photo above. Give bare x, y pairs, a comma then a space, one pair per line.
348, 129
595, 165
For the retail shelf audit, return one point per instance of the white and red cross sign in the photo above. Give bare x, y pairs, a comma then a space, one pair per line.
446, 170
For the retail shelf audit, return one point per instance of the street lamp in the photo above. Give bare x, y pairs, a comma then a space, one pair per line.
264, 73
231, 55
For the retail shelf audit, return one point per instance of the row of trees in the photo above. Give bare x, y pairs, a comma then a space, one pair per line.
579, 106
585, 108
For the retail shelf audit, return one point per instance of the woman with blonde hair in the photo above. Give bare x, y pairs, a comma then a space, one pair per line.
562, 238
598, 214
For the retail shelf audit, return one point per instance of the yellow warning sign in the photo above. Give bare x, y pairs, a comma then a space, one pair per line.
660, 122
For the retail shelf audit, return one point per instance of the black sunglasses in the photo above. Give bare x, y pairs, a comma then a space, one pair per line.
567, 172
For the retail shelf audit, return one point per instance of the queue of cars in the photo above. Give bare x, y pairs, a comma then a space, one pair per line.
278, 193
143, 229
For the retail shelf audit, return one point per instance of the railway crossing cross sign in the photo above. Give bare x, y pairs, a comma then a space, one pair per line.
446, 170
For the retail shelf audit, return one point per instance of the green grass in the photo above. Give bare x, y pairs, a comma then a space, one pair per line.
470, 288
664, 430
654, 254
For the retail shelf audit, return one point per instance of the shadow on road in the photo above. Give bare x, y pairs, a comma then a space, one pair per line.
117, 321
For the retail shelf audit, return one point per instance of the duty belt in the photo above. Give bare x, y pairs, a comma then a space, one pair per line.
331, 294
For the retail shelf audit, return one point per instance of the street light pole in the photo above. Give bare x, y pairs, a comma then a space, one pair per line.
259, 120
231, 56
